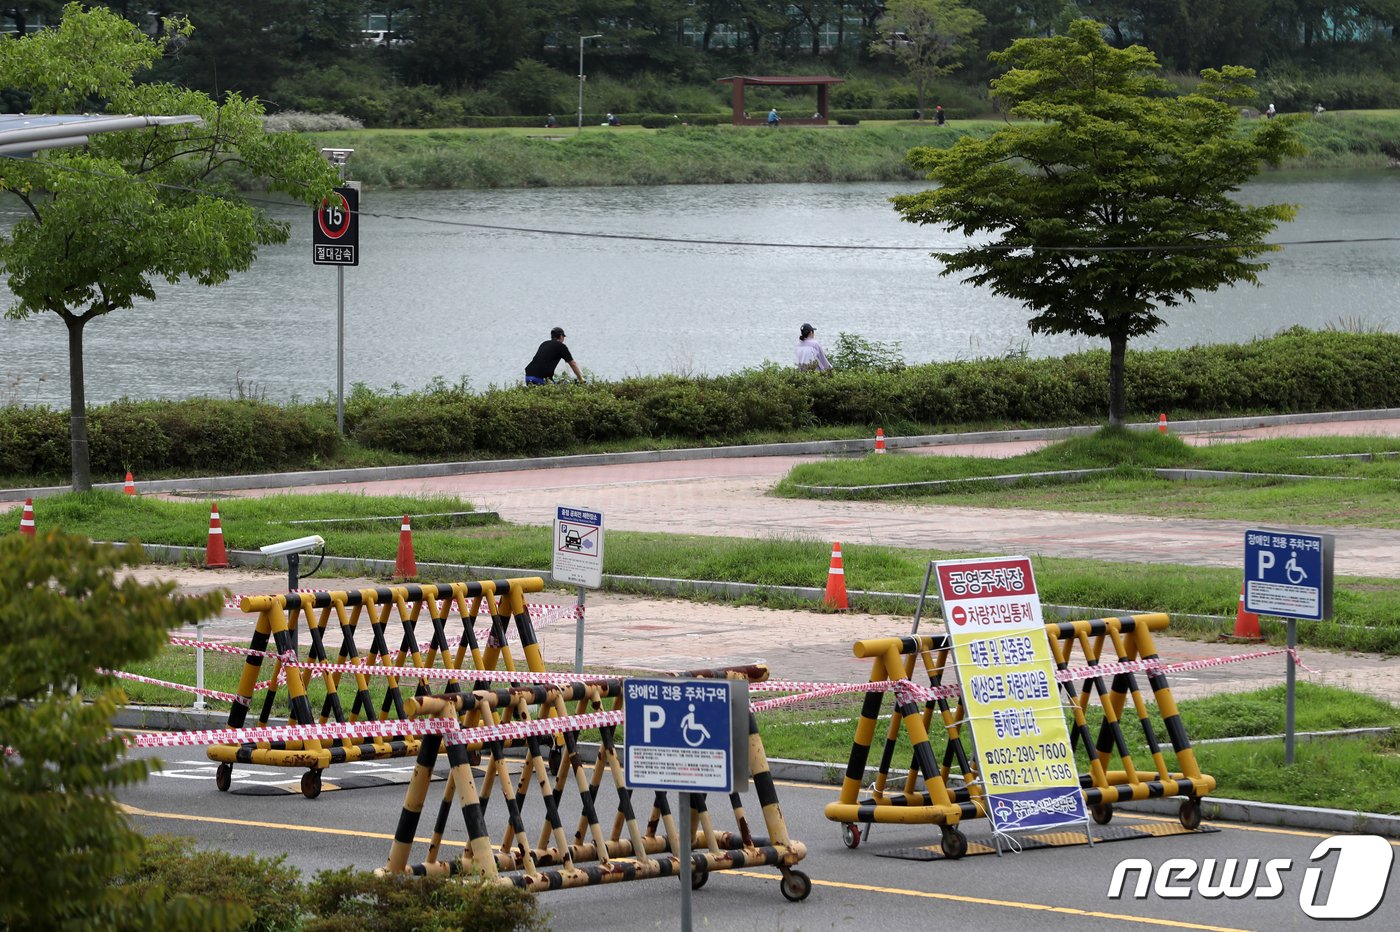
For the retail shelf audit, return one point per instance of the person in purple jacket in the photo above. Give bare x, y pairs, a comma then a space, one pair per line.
810, 356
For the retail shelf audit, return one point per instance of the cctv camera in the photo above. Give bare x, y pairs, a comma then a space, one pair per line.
290, 547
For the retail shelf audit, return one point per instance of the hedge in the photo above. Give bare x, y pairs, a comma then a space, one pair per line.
1297, 370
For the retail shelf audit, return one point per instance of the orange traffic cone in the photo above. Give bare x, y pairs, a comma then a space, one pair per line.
26, 519
836, 581
879, 440
1246, 624
1162, 423
215, 556
130, 487
405, 565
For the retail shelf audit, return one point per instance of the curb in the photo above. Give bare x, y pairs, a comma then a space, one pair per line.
1335, 821
805, 448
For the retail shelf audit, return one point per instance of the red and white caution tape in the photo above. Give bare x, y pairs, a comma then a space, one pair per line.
328, 731
209, 693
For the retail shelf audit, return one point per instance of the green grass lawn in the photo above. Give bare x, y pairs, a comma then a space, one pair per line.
1365, 497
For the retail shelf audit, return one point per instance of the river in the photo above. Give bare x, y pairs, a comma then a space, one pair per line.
434, 298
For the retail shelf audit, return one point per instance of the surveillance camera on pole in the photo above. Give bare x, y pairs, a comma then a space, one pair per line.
292, 550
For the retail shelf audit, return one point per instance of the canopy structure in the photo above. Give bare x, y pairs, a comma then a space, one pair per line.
821, 82
22, 134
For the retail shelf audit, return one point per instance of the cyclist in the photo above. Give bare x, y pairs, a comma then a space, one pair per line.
547, 358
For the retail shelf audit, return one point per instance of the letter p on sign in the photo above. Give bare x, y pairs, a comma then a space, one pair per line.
653, 717
1266, 561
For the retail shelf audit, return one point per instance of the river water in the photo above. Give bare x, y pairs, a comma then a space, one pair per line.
434, 297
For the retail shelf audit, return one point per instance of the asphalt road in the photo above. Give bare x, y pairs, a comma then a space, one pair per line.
1061, 888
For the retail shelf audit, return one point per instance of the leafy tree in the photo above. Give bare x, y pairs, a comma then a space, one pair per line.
102, 222
453, 43
927, 37
1110, 200
66, 613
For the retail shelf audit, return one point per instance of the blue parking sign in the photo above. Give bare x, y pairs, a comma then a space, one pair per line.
1288, 573
686, 735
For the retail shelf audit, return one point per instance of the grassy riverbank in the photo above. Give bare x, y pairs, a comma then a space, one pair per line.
527, 158
1367, 608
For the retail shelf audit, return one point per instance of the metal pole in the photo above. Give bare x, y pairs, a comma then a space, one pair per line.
199, 665
581, 77
685, 862
578, 633
923, 595
1288, 702
340, 348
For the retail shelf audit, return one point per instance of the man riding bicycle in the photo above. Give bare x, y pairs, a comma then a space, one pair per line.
547, 358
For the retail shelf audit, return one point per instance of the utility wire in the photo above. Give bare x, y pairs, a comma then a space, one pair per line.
757, 244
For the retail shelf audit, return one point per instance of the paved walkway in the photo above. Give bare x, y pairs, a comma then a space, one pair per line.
727, 497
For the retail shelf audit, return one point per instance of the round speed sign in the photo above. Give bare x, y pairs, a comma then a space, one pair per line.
334, 217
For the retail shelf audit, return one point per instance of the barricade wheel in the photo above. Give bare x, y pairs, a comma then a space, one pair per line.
850, 834
796, 886
954, 843
1190, 813
223, 777
311, 784
1102, 813
699, 876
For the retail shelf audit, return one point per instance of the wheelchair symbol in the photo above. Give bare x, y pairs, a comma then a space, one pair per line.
689, 724
1296, 574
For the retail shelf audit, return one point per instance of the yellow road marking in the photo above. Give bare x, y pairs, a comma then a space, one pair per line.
315, 829
1012, 904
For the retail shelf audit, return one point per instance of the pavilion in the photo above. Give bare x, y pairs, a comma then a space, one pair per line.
821, 82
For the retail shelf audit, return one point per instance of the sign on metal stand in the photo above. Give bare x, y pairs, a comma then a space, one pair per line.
686, 736
335, 240
1011, 697
1288, 574
578, 559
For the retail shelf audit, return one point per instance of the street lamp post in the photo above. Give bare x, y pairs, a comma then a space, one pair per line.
580, 76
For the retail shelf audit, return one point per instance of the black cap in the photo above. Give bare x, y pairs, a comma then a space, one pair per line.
808, 328
556, 333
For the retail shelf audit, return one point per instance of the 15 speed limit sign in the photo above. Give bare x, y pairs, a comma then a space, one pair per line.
335, 234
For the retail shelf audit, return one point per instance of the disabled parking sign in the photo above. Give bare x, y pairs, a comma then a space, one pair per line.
686, 735
1288, 573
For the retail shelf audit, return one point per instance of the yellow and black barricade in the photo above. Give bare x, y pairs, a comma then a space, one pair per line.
591, 855
280, 618
939, 801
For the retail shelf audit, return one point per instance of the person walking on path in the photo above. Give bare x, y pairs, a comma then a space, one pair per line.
773, 117
938, 116
547, 358
810, 356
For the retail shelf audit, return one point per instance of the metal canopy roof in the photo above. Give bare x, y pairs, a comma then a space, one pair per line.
22, 133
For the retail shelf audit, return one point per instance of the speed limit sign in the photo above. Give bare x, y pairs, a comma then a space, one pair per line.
335, 231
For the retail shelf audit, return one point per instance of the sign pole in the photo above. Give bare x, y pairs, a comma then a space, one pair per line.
578, 633
199, 665
1288, 702
684, 800
340, 348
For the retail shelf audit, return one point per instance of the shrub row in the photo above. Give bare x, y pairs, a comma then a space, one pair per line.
334, 901
197, 434
1297, 370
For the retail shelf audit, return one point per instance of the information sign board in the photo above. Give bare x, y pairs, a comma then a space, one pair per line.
1288, 573
1010, 694
686, 735
578, 546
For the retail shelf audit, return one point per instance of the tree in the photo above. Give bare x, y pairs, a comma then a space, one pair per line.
65, 614
103, 221
1109, 200
927, 37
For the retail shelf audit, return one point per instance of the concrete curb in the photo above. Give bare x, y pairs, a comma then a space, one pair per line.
1229, 810
807, 448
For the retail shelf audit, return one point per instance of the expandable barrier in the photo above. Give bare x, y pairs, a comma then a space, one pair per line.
939, 802
552, 759
280, 618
